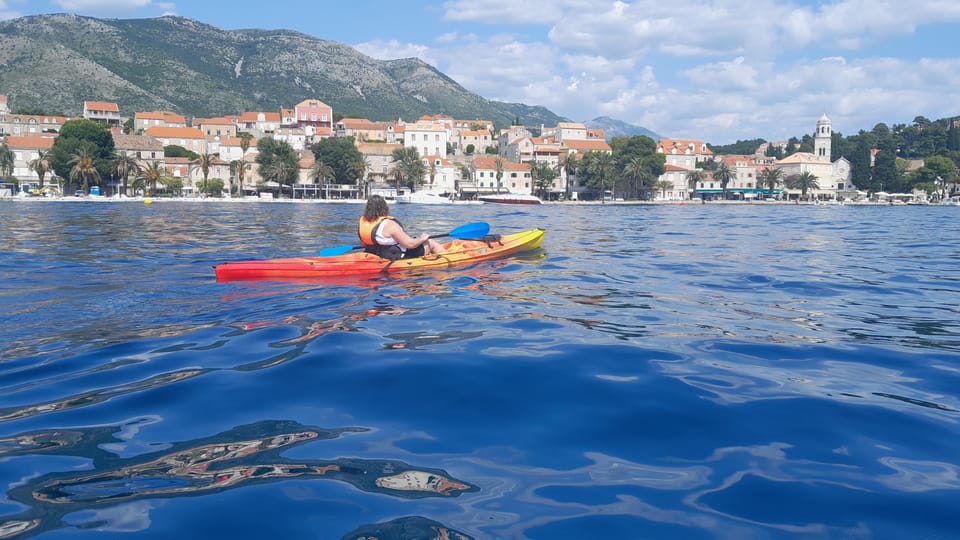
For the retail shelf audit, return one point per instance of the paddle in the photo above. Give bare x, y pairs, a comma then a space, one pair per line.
470, 230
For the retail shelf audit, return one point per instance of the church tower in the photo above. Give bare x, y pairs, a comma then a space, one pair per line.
822, 139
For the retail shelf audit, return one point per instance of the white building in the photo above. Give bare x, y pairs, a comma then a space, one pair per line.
429, 138
833, 178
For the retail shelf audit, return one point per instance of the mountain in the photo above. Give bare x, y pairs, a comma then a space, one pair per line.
615, 128
56, 62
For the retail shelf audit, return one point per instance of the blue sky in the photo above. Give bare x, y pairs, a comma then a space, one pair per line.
716, 71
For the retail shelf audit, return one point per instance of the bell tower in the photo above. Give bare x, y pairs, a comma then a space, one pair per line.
822, 139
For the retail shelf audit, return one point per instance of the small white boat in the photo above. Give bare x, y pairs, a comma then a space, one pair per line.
511, 198
423, 197
430, 197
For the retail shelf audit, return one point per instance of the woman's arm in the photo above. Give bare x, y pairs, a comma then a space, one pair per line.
394, 230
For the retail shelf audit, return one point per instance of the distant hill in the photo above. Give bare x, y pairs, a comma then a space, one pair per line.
56, 62
615, 128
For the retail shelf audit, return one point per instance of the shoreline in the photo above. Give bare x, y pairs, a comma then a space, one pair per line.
234, 200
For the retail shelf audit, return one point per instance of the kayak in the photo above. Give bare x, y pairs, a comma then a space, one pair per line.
457, 252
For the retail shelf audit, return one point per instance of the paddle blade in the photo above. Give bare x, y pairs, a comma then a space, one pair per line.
337, 250
470, 230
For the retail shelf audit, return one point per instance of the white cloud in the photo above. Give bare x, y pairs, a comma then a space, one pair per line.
6, 12
101, 6
393, 50
512, 12
718, 71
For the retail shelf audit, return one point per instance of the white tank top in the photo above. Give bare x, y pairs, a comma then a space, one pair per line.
382, 240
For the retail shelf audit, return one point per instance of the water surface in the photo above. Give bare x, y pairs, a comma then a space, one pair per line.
697, 371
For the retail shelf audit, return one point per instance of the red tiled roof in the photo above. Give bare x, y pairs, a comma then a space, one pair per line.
175, 132
101, 106
490, 163
32, 141
588, 145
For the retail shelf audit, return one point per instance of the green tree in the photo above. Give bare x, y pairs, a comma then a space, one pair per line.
804, 181
6, 160
694, 178
953, 135
543, 176
663, 186
40, 165
123, 165
359, 167
239, 168
172, 185
279, 171
215, 186
885, 173
340, 153
94, 138
638, 174
277, 161
407, 168
770, 177
602, 165
83, 168
639, 155
245, 140
204, 162
724, 174
322, 173
172, 150
152, 174
499, 164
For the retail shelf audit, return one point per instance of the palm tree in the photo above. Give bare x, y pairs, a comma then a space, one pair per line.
123, 165
152, 174
41, 165
567, 166
6, 160
804, 181
663, 186
407, 166
277, 171
83, 167
239, 167
359, 167
724, 174
499, 165
601, 165
245, 139
205, 161
637, 172
771, 177
432, 171
322, 172
694, 178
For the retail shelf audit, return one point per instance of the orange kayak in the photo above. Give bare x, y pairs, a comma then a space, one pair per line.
457, 253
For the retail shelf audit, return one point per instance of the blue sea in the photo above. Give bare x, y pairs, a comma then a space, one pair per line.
701, 371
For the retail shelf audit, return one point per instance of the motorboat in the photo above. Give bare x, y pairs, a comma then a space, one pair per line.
510, 198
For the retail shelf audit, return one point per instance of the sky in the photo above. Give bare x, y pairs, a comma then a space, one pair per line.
717, 71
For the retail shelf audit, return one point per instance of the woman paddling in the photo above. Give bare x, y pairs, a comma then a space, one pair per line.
381, 234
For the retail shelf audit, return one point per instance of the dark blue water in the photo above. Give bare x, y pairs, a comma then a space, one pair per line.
700, 371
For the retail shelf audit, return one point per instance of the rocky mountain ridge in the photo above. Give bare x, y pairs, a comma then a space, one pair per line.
56, 62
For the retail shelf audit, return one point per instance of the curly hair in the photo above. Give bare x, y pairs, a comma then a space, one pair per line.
376, 207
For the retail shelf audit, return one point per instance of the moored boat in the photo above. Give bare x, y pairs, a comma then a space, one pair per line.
430, 197
510, 198
457, 252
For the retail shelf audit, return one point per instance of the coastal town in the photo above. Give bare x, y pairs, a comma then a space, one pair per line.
461, 160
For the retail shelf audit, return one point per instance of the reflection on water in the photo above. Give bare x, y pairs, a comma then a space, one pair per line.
242, 456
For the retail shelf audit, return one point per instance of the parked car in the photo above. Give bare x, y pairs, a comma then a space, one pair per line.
78, 193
